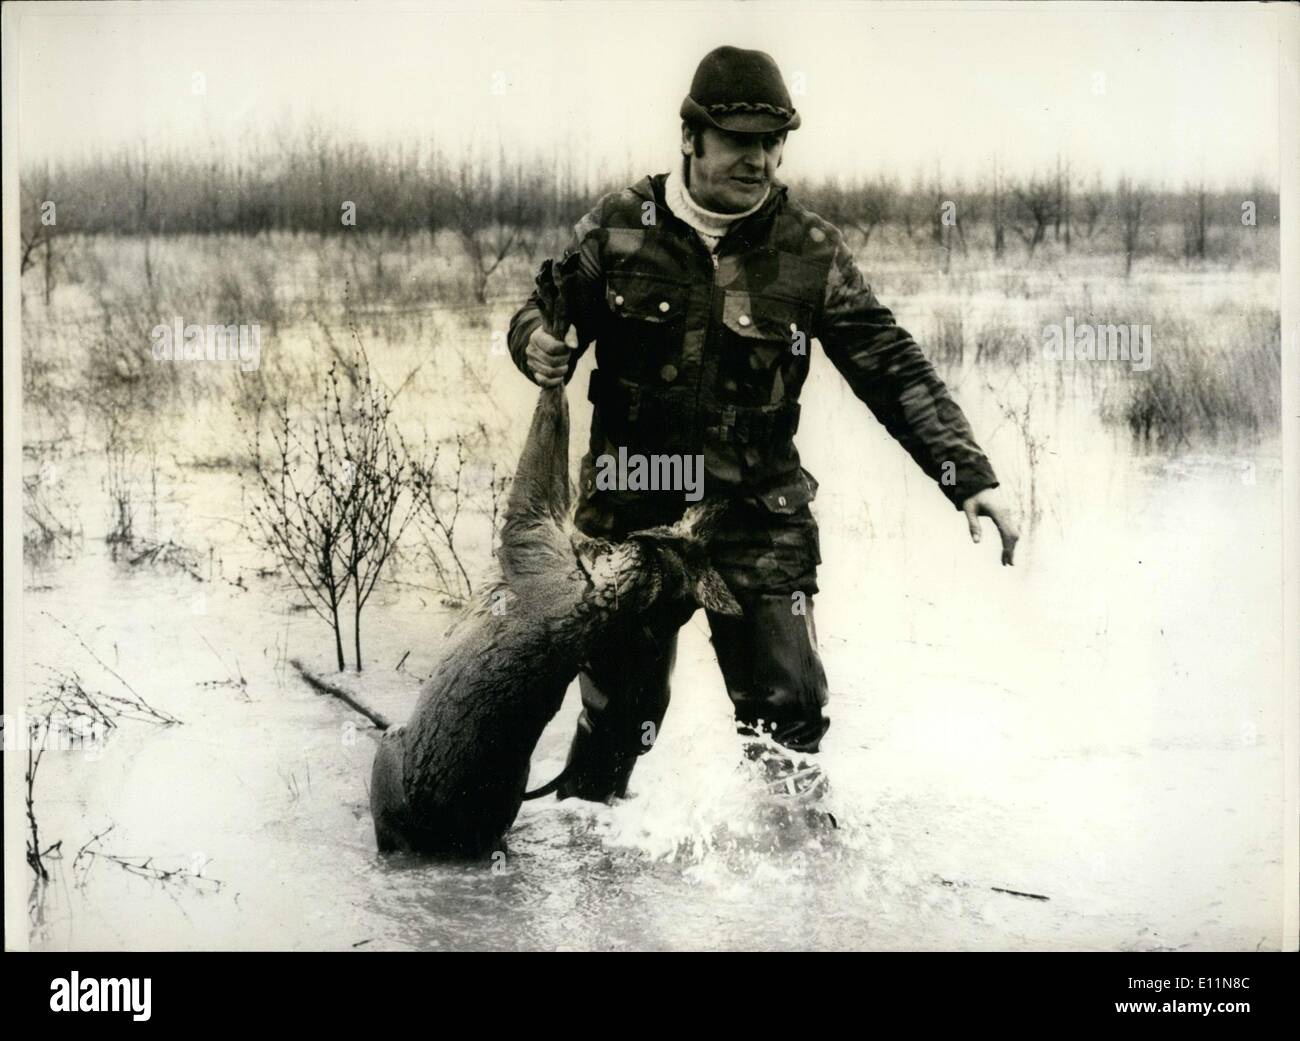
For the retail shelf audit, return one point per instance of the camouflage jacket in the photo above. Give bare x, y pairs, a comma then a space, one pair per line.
705, 354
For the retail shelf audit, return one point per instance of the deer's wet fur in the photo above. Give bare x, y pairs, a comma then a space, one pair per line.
450, 781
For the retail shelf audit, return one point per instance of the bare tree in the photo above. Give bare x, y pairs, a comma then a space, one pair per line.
1061, 217
1094, 208
1132, 203
998, 213
1035, 210
144, 214
37, 230
912, 210
875, 204
1195, 222
865, 205
492, 216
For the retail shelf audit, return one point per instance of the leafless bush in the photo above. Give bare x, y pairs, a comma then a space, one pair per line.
68, 712
47, 517
376, 519
1004, 342
329, 495
1220, 382
454, 501
78, 714
68, 702
440, 496
246, 291
118, 482
947, 344
1015, 399
301, 514
166, 554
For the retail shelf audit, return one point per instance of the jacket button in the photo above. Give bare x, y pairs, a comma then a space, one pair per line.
743, 319
780, 500
664, 305
669, 373
619, 300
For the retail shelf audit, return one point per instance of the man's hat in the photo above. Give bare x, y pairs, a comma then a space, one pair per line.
740, 91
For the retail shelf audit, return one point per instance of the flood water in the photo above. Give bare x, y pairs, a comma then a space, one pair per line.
1100, 726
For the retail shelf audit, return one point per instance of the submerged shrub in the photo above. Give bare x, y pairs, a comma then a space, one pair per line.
1206, 382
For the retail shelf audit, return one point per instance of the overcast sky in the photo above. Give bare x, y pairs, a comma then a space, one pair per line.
1164, 91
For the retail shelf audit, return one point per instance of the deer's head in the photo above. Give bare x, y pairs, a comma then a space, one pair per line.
661, 564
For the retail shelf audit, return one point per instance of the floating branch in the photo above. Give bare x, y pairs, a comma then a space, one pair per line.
995, 889
142, 867
325, 687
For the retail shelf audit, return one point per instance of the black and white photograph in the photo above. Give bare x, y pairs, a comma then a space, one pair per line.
649, 476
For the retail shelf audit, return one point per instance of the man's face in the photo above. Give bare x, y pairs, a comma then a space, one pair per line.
735, 170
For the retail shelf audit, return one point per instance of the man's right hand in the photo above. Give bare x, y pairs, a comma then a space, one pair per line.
548, 357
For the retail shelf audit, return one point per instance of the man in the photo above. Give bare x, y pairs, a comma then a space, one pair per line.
702, 289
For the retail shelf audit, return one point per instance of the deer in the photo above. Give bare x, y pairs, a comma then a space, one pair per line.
450, 781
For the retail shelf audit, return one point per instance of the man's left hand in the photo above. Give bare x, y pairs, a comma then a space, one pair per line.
991, 503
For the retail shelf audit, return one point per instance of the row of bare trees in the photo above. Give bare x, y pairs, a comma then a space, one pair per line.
302, 182
1058, 207
502, 204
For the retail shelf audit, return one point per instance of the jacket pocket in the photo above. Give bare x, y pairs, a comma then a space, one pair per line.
790, 496
765, 359
647, 325
754, 316
645, 298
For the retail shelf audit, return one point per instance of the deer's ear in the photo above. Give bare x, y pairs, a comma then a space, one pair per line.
700, 521
712, 594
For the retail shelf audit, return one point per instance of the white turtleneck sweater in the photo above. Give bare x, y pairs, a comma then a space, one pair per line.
708, 225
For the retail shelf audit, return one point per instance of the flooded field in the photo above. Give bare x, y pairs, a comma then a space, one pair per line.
1084, 751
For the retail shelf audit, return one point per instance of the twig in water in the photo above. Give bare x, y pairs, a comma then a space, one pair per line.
142, 867
996, 889
325, 687
36, 855
240, 684
163, 717
1016, 892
